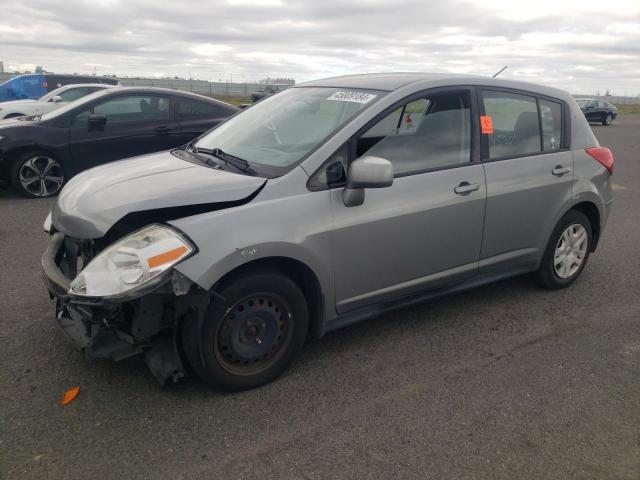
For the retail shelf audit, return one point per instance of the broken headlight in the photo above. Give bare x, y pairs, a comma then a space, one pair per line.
136, 262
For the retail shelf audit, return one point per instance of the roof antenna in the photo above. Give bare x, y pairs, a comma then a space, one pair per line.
500, 71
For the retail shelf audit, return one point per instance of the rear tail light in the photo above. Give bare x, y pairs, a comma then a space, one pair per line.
603, 156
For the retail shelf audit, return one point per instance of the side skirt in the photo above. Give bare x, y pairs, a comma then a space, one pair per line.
377, 309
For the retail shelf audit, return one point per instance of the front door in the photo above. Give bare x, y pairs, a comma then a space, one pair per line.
426, 229
136, 125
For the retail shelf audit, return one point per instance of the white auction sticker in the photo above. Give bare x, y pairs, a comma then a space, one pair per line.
356, 97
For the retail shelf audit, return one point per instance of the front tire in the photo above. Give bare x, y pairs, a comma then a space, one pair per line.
37, 175
252, 336
567, 252
607, 120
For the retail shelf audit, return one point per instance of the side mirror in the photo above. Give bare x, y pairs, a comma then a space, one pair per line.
56, 99
97, 120
366, 172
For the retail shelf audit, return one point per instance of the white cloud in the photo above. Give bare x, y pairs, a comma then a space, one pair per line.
580, 45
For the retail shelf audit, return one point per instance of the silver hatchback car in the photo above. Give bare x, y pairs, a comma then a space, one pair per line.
320, 206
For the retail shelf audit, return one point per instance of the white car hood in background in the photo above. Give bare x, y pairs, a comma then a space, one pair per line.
93, 201
12, 103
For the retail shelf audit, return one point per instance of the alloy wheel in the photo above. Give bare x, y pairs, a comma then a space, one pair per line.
570, 251
41, 176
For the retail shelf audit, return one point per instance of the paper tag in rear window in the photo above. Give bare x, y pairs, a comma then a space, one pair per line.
351, 96
486, 125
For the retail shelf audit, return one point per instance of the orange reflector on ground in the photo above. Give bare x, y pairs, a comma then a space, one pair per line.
69, 395
486, 125
166, 257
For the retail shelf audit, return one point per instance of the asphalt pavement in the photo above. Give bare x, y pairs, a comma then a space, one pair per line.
506, 381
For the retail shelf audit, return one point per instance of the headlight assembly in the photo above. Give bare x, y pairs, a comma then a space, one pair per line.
132, 264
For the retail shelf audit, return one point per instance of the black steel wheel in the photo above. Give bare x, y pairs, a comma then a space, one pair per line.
253, 334
249, 338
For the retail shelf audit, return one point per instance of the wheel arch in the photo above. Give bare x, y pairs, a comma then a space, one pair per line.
590, 210
304, 277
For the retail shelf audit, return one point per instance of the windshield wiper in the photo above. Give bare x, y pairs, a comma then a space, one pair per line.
237, 162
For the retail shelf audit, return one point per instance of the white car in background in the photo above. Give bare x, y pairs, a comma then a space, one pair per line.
52, 100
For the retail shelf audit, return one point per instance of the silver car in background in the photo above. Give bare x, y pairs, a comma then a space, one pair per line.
320, 206
49, 102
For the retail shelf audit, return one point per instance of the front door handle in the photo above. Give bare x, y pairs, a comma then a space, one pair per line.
466, 187
560, 170
163, 129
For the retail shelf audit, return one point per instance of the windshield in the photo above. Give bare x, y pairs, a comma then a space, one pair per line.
23, 87
72, 105
278, 132
582, 102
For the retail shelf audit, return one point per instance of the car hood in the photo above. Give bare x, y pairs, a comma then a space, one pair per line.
147, 189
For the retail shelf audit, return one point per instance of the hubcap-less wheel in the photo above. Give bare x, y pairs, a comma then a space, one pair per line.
41, 176
570, 251
253, 335
608, 120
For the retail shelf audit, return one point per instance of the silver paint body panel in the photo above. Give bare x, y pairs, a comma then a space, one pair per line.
414, 235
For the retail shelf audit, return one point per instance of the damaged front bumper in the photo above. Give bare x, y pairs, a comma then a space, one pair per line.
104, 328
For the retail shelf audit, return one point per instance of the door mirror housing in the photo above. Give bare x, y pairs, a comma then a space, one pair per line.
366, 172
56, 99
97, 120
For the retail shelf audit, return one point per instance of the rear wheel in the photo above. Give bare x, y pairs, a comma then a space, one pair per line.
250, 338
607, 119
567, 251
37, 174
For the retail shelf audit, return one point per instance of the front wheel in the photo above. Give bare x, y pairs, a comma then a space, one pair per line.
37, 175
567, 251
252, 336
607, 120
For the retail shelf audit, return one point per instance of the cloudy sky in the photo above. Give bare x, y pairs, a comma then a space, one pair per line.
580, 45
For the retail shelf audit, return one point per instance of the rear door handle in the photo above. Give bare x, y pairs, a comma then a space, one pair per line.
163, 129
560, 170
466, 187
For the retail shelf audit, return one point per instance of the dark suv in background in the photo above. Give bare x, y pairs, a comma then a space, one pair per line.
596, 110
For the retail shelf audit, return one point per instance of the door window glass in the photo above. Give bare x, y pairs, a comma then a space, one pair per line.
423, 134
192, 109
551, 119
516, 127
73, 94
132, 108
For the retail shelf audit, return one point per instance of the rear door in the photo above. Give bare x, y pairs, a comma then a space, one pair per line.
196, 117
529, 170
426, 229
136, 124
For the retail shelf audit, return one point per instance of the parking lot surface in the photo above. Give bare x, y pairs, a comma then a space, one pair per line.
504, 381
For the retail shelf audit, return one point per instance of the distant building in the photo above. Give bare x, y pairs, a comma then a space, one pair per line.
277, 81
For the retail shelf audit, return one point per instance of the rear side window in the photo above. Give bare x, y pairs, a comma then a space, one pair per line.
551, 120
192, 110
516, 126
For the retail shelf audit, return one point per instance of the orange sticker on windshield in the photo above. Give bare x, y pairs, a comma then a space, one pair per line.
486, 125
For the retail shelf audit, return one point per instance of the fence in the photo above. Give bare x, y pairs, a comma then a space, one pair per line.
229, 89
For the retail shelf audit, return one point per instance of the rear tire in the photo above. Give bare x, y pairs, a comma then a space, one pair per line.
37, 175
252, 336
607, 120
567, 252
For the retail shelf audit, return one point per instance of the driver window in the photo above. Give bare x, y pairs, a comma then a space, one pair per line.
423, 134
129, 109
